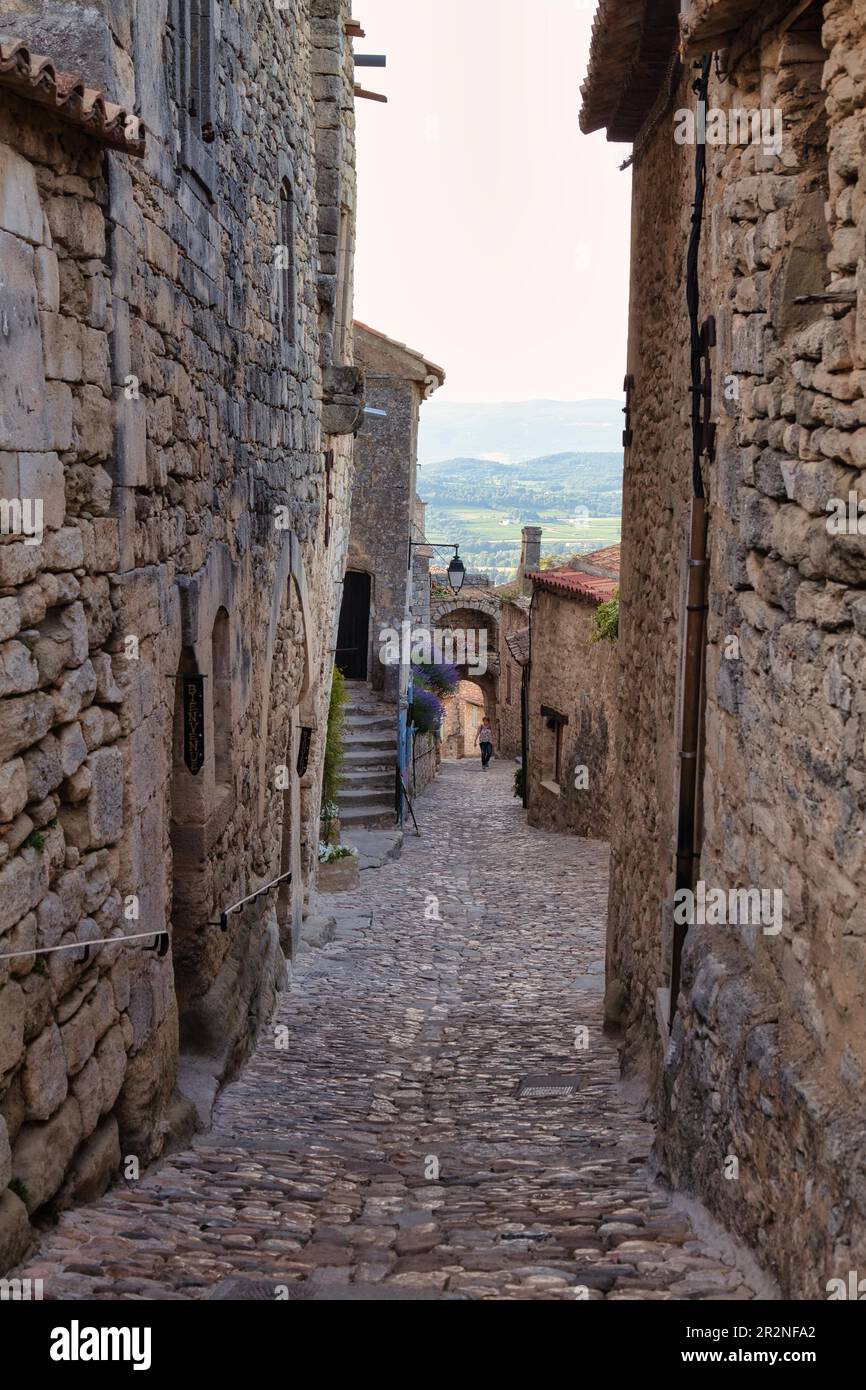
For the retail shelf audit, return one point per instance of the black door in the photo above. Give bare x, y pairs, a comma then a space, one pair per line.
354, 633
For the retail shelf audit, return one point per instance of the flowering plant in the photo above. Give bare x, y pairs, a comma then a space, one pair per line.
328, 853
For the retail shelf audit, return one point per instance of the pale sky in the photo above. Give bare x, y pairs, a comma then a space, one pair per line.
492, 235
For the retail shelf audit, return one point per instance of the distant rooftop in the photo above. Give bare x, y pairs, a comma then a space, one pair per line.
431, 368
594, 576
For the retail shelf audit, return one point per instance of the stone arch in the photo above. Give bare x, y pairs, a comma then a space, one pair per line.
489, 607
290, 586
200, 803
476, 612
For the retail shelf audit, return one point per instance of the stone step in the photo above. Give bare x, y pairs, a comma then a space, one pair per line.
370, 759
354, 777
364, 796
354, 722
367, 816
383, 742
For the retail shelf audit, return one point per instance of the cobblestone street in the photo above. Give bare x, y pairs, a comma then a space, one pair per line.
407, 1038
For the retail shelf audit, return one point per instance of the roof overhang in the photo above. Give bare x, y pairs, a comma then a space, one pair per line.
631, 48
407, 361
708, 25
34, 77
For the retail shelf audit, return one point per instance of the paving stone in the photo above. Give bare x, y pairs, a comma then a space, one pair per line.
383, 1153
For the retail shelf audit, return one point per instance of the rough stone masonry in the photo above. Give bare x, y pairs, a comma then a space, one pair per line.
178, 391
765, 1060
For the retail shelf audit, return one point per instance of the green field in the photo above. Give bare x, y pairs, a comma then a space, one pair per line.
489, 539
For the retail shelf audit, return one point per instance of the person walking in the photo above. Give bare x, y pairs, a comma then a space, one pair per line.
484, 737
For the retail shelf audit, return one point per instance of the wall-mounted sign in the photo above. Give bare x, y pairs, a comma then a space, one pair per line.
304, 750
193, 722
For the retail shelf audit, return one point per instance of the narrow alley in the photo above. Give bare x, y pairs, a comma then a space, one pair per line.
375, 1145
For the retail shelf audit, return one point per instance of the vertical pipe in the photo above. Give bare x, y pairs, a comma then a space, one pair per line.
688, 850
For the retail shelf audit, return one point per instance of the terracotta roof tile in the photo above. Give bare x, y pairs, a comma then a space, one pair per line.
518, 644
601, 564
576, 584
35, 78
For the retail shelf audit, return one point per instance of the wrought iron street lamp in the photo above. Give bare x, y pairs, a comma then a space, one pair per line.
456, 573
456, 570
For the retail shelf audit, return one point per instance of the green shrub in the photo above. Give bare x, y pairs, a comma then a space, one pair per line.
519, 782
605, 621
332, 769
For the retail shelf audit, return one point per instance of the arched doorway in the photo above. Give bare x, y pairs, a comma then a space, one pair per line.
353, 636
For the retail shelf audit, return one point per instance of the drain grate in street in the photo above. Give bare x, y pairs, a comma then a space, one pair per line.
544, 1087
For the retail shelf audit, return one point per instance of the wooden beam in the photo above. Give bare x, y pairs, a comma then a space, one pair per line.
369, 96
353, 28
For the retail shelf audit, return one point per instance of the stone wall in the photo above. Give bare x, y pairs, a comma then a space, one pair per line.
514, 616
767, 1051
190, 370
577, 679
426, 757
397, 381
68, 1020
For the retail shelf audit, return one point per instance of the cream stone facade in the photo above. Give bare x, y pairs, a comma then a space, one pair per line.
753, 1043
177, 389
571, 703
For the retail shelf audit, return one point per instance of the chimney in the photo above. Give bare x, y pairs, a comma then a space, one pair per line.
530, 556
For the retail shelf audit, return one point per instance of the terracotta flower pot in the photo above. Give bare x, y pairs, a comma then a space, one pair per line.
339, 875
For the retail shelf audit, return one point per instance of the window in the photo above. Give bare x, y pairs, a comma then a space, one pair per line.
285, 265
551, 747
196, 81
200, 98
344, 287
508, 682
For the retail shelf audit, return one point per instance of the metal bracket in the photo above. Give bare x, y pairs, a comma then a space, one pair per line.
223, 922
627, 434
708, 341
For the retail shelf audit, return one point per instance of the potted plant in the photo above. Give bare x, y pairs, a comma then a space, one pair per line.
338, 868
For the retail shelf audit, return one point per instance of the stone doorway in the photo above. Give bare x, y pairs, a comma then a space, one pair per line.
353, 637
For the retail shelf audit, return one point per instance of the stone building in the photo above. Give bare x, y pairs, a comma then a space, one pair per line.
514, 599
471, 618
177, 391
378, 587
386, 580
740, 742
571, 698
464, 711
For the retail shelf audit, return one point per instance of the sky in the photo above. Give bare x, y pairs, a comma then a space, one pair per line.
492, 235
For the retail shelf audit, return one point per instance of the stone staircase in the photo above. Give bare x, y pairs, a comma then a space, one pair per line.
369, 769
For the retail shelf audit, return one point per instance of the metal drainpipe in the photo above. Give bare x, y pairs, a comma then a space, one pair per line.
688, 850
524, 709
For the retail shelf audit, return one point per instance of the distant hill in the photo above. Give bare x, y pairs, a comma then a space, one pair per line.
518, 430
556, 481
482, 504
